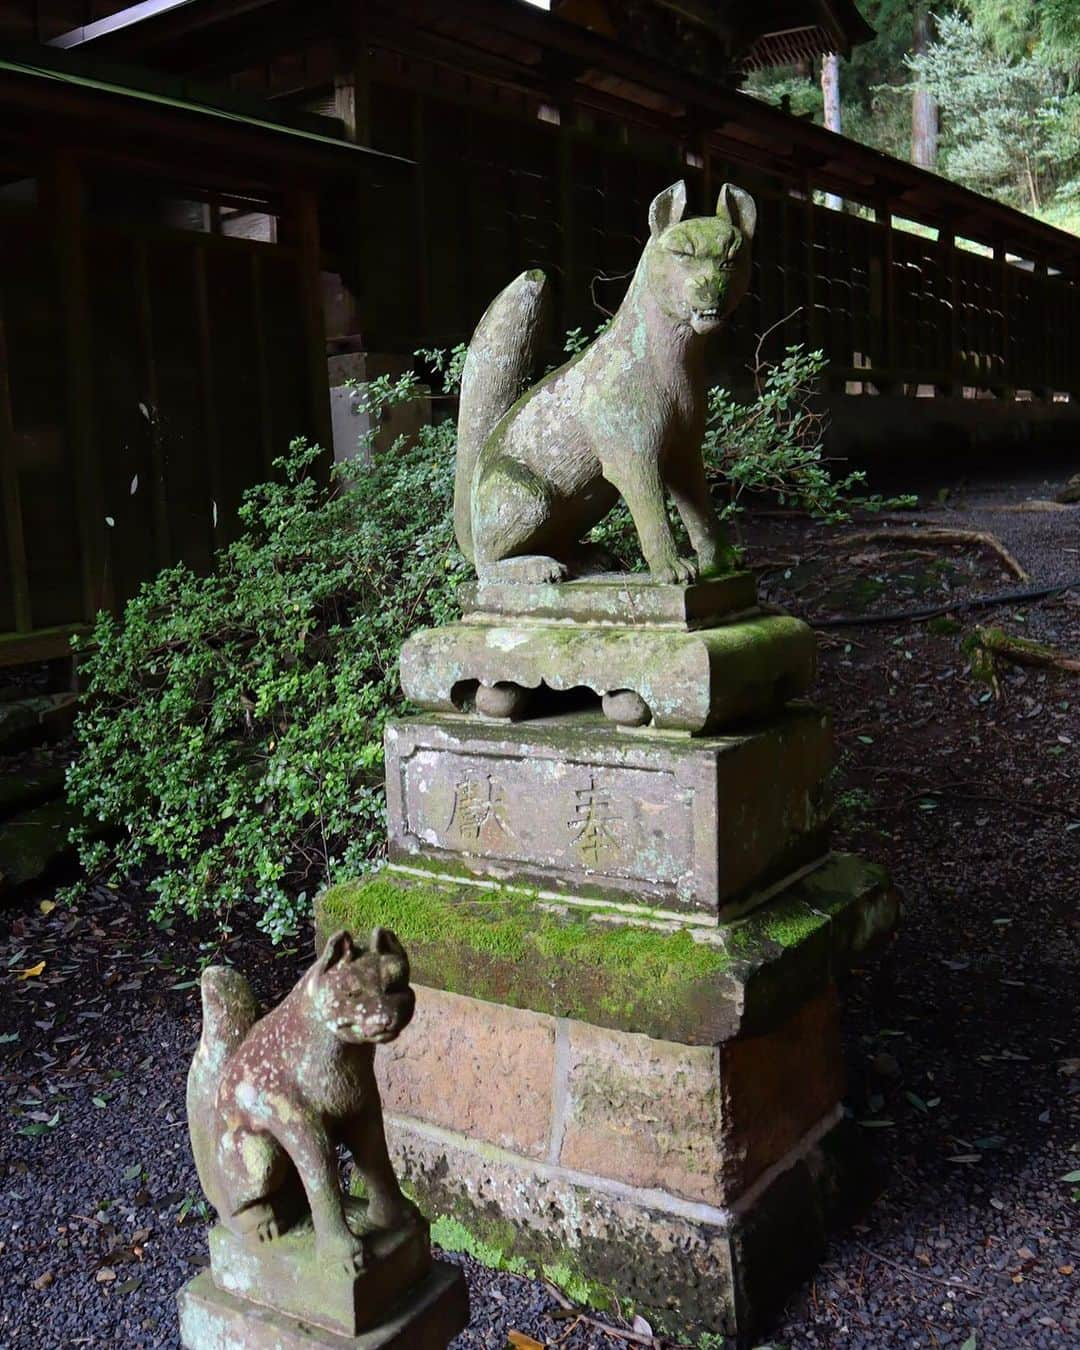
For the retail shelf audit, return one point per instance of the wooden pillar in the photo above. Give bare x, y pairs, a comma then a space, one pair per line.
886, 379
1001, 378
813, 328
954, 362
211, 433
1040, 328
158, 487
63, 208
9, 490
262, 369
303, 234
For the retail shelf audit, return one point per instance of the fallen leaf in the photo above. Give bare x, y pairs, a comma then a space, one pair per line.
1065, 1270
43, 1281
129, 1286
105, 1274
520, 1341
47, 906
31, 971
1025, 1254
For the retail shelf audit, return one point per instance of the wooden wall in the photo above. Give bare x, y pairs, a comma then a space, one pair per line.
152, 374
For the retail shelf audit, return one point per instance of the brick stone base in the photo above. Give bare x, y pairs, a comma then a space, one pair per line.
685, 1151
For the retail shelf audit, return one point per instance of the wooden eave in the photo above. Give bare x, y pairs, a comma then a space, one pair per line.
93, 113
741, 129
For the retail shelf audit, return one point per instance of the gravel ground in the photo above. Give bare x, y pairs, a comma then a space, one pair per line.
963, 1041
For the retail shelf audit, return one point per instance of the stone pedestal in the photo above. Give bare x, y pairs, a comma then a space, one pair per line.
626, 930
641, 1107
428, 1319
279, 1293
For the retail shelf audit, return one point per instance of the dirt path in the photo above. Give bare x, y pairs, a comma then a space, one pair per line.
963, 1043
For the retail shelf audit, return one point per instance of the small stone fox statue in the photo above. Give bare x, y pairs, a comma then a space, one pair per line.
269, 1100
625, 417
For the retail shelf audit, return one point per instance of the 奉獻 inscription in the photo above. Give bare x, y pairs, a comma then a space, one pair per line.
613, 820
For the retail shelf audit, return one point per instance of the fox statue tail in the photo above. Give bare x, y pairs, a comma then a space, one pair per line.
500, 357
229, 1012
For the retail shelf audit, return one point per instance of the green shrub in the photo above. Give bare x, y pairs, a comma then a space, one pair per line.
232, 723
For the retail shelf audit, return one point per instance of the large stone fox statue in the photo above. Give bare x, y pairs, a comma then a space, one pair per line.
625, 417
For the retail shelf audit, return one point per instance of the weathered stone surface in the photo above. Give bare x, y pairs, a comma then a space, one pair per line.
694, 1121
287, 1274
428, 1318
643, 1111
625, 416
774, 1087
489, 1077
672, 981
689, 1268
580, 808
269, 1100
620, 599
700, 681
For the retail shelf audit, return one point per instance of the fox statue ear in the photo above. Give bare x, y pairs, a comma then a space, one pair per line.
736, 204
338, 948
668, 208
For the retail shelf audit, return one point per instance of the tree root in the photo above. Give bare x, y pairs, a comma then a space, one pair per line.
937, 536
1021, 651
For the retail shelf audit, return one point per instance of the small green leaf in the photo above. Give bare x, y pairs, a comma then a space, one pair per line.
135, 1170
1071, 1176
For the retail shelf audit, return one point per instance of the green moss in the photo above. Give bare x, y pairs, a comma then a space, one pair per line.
511, 926
577, 1288
790, 924
504, 946
452, 1236
944, 627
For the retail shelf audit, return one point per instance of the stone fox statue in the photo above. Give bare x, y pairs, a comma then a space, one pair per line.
624, 418
269, 1100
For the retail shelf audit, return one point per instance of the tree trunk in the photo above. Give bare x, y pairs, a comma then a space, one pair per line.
830, 89
924, 109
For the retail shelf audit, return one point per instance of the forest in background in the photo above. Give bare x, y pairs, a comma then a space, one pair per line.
984, 92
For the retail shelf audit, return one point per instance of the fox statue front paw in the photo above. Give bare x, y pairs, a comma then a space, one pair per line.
681, 571
343, 1252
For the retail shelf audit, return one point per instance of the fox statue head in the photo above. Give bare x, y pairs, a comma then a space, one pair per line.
698, 270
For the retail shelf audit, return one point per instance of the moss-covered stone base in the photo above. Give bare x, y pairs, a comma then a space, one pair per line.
639, 970
640, 1105
693, 1271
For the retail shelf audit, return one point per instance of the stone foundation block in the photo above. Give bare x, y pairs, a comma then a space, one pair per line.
644, 1104
489, 1078
581, 808
428, 1317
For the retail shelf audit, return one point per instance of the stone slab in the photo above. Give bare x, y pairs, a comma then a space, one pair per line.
621, 599
428, 1317
575, 806
490, 1078
670, 979
287, 1274
688, 1268
699, 681
699, 1122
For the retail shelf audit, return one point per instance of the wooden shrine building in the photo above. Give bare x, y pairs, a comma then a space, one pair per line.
511, 137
